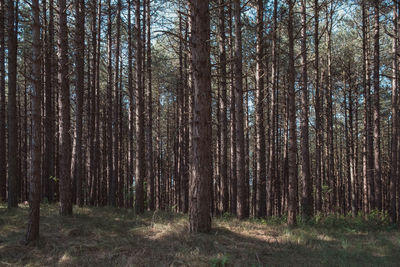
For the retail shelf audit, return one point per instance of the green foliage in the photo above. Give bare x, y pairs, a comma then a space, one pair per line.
220, 261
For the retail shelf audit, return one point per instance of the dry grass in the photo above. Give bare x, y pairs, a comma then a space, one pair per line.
117, 237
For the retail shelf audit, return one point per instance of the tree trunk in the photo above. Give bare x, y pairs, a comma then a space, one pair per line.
150, 171
377, 131
80, 79
292, 205
140, 142
199, 194
306, 196
12, 108
260, 133
395, 124
32, 233
242, 207
318, 114
3, 151
64, 112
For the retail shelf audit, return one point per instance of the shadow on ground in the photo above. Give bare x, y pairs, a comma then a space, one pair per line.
118, 237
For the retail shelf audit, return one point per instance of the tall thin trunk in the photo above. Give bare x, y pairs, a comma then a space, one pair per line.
395, 124
242, 207
377, 131
12, 108
64, 112
80, 79
233, 180
318, 115
292, 205
110, 121
49, 121
3, 151
260, 133
140, 142
272, 170
150, 168
306, 196
32, 232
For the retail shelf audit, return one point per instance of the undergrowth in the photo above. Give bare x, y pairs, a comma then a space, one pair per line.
107, 236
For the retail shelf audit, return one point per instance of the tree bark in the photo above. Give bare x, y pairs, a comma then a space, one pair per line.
242, 206
260, 133
199, 194
12, 108
80, 79
140, 142
32, 233
306, 196
292, 205
3, 151
64, 112
377, 131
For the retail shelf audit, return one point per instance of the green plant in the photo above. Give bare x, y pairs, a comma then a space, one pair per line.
219, 261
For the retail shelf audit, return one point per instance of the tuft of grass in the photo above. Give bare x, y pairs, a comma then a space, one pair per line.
107, 236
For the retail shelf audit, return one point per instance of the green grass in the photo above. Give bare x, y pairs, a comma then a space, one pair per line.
118, 237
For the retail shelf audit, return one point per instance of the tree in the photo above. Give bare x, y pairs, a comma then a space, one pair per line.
292, 205
80, 49
64, 112
306, 196
260, 140
12, 108
49, 121
242, 205
32, 232
223, 110
140, 142
318, 114
394, 174
3, 151
200, 179
377, 133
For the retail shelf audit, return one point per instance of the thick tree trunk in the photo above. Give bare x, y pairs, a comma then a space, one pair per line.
199, 194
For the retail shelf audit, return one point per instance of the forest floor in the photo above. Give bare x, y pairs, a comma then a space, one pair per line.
117, 237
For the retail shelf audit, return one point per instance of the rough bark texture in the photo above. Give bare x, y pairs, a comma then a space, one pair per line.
80, 79
223, 111
292, 205
260, 133
64, 112
377, 131
201, 177
32, 232
242, 203
12, 108
306, 196
140, 135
